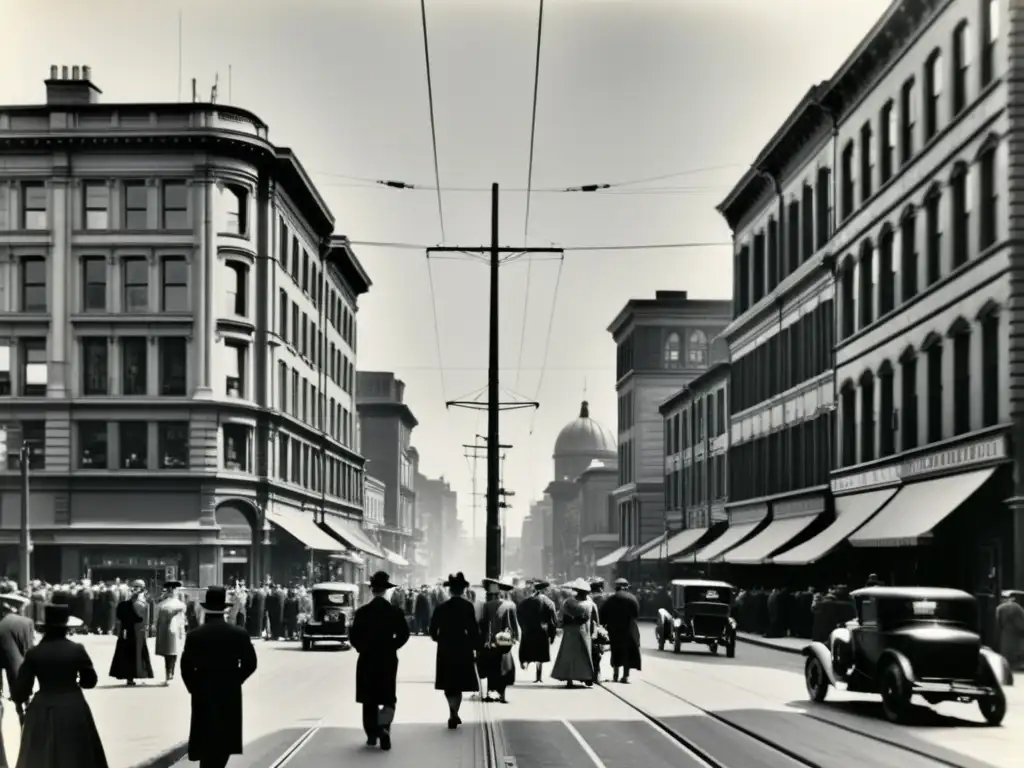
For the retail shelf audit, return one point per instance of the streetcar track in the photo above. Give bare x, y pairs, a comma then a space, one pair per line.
298, 744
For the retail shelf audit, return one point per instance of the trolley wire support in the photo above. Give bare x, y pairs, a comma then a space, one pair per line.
494, 403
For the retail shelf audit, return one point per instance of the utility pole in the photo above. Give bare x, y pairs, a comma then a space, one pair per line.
25, 547
494, 404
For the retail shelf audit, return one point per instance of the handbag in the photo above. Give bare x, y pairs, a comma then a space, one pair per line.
503, 639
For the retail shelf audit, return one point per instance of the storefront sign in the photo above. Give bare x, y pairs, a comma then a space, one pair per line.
951, 459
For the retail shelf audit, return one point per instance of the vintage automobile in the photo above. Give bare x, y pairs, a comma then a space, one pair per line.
334, 605
911, 641
702, 614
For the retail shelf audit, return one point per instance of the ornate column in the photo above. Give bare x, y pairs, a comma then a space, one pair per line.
202, 273
61, 221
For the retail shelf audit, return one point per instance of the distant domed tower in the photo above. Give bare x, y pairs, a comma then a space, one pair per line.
580, 442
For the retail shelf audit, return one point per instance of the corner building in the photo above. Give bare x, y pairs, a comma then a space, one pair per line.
178, 345
914, 134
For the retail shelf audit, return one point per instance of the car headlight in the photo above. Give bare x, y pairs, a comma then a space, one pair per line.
677, 622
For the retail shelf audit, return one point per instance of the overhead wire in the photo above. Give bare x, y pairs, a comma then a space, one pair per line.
529, 186
547, 342
566, 249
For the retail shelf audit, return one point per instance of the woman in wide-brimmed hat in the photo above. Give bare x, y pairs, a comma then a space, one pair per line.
59, 729
575, 660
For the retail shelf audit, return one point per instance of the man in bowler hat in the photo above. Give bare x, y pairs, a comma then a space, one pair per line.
17, 637
378, 630
217, 659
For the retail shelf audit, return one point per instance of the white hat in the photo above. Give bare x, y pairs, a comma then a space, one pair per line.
578, 585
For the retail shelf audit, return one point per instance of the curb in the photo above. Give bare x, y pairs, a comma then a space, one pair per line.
769, 644
167, 758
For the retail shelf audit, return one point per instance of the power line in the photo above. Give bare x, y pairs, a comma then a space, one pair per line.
567, 249
437, 327
433, 130
547, 341
451, 368
529, 186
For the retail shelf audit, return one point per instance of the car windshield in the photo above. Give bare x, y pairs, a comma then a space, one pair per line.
335, 599
702, 595
909, 610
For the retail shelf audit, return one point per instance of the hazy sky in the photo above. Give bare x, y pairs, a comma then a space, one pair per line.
629, 89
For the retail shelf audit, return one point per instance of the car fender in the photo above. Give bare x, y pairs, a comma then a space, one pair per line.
839, 634
824, 656
1000, 667
664, 616
890, 655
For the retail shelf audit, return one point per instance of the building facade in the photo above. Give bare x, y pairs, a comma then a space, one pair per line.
597, 514
179, 344
436, 516
874, 262
386, 426
661, 344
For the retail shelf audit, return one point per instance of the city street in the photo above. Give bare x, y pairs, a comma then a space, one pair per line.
748, 711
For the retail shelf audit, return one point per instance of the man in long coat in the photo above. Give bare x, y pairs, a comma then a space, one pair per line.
494, 662
619, 615
17, 636
453, 627
538, 625
1010, 622
131, 653
378, 630
217, 659
170, 628
597, 597
423, 610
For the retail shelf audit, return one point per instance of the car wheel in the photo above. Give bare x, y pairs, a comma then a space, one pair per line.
895, 693
713, 647
677, 643
993, 708
815, 679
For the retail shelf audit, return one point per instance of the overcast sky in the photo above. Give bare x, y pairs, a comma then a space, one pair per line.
628, 90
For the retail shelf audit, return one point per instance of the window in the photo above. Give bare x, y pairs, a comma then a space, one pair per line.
136, 285
282, 315
823, 208
33, 284
990, 373
867, 161
236, 447
933, 236
886, 271
283, 443
908, 118
34, 371
92, 445
175, 284
960, 194
866, 270
848, 408
5, 368
94, 284
234, 201
294, 391
933, 94
961, 335
887, 140
234, 359
175, 205
849, 182
173, 366
847, 300
282, 386
867, 417
672, 351
961, 64
34, 205
933, 356
793, 238
989, 36
134, 368
886, 416
238, 282
33, 436
908, 401
134, 438
807, 222
988, 198
96, 205
5, 201
908, 254
136, 205
95, 371
172, 443
697, 349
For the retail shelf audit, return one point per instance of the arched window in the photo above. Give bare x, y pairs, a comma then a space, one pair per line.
672, 351
867, 416
933, 235
960, 333
848, 430
908, 400
990, 374
886, 414
988, 195
960, 193
697, 349
866, 289
886, 272
932, 348
908, 253
847, 303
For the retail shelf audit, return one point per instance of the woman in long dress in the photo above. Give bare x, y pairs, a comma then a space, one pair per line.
59, 730
575, 660
131, 653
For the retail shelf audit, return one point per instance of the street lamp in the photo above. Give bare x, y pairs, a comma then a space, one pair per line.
25, 544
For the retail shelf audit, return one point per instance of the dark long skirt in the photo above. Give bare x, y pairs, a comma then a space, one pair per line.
59, 732
131, 658
496, 666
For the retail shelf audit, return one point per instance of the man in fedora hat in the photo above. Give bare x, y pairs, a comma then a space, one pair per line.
619, 614
378, 630
17, 636
217, 659
453, 627
538, 624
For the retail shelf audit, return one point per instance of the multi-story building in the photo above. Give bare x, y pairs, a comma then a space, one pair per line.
661, 345
531, 539
910, 139
436, 516
373, 518
597, 515
386, 424
696, 464
179, 343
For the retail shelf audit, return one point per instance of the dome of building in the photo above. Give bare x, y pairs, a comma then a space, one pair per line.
585, 437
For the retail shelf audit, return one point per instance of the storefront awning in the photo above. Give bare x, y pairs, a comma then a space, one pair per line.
611, 558
675, 544
303, 527
778, 534
349, 557
394, 558
350, 532
851, 513
641, 549
733, 535
917, 509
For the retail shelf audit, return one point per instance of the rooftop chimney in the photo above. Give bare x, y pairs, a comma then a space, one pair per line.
76, 89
